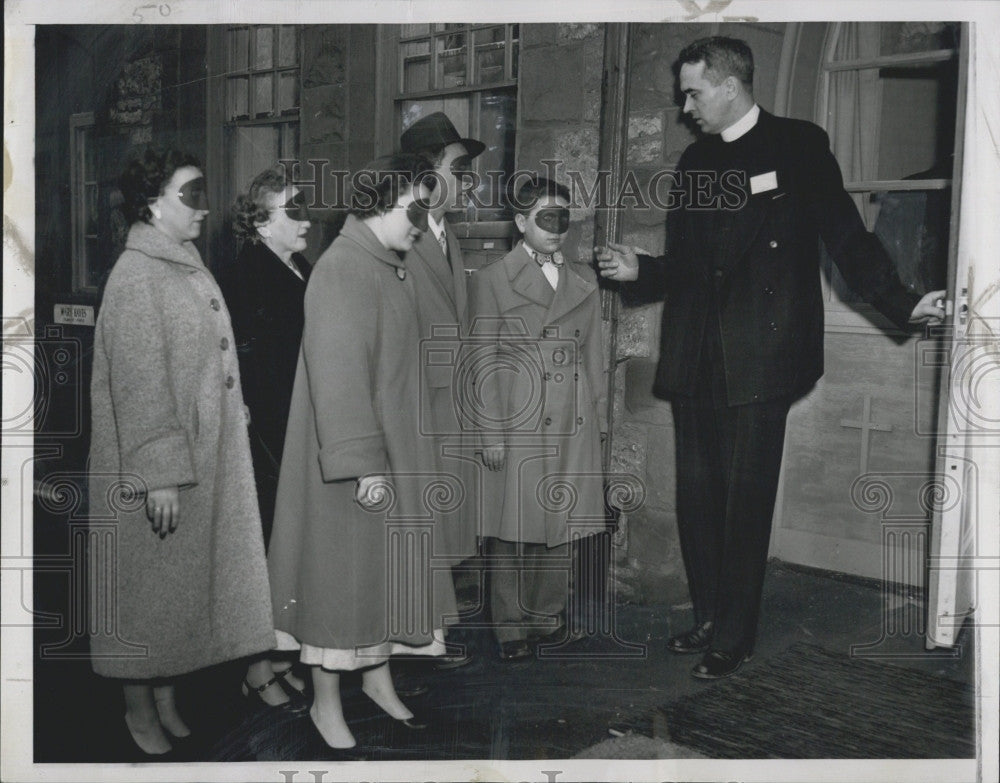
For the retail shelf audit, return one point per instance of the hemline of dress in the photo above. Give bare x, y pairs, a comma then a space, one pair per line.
360, 657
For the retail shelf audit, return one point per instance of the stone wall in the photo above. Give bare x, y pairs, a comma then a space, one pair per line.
559, 112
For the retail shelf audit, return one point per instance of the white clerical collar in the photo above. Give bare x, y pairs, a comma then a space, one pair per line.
743, 125
436, 228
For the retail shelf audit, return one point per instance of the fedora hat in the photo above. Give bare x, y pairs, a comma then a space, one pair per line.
435, 131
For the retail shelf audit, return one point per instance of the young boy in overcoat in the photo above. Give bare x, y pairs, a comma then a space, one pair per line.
538, 394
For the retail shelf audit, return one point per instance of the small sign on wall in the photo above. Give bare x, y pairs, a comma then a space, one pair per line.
74, 314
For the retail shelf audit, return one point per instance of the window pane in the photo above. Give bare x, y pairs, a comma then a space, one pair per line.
416, 48
917, 121
237, 89
288, 90
254, 148
263, 51
410, 30
514, 32
287, 47
491, 35
239, 42
416, 75
456, 108
908, 37
263, 96
489, 56
515, 48
451, 64
497, 124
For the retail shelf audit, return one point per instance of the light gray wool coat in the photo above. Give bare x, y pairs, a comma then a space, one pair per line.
168, 411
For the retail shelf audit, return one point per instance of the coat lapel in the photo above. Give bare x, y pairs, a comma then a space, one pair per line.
429, 251
457, 272
572, 290
526, 279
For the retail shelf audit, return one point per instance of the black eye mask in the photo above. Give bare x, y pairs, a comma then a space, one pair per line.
555, 220
192, 194
416, 212
295, 208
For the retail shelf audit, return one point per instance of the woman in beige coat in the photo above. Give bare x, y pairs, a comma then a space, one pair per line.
170, 460
358, 489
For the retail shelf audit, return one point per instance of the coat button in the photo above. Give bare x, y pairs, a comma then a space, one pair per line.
215, 304
774, 326
579, 419
224, 343
548, 421
718, 274
559, 377
768, 290
559, 356
230, 381
773, 243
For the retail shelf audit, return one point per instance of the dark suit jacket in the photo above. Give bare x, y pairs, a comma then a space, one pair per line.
755, 268
265, 300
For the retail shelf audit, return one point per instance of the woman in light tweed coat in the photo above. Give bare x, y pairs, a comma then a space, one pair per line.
170, 461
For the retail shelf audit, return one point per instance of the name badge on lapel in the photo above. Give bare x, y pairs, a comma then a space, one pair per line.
764, 182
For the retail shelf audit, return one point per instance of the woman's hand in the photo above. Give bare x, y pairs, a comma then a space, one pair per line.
163, 508
371, 491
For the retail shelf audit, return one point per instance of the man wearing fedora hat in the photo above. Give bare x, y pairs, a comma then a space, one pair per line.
438, 272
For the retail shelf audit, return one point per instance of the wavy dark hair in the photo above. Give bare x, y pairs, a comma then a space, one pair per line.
250, 208
145, 177
723, 57
379, 183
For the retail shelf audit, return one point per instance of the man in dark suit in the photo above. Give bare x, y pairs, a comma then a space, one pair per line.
742, 330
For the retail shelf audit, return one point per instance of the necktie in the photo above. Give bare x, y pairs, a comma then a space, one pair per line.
443, 241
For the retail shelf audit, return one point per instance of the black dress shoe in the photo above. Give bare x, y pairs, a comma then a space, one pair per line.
457, 661
694, 641
409, 688
514, 650
718, 664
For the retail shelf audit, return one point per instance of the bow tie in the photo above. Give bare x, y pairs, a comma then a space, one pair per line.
541, 259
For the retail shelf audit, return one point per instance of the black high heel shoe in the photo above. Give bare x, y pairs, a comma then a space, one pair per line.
287, 687
297, 702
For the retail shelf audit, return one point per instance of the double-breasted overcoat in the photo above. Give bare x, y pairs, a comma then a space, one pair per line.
535, 359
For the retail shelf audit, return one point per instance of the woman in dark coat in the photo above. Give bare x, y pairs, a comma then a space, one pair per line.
169, 432
357, 485
264, 290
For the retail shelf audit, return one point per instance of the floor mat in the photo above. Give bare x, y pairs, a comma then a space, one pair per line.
808, 702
